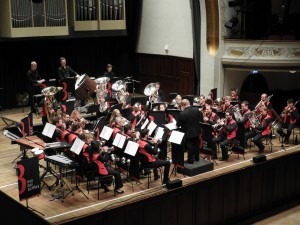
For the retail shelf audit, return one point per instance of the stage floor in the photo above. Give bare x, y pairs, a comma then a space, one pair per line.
78, 204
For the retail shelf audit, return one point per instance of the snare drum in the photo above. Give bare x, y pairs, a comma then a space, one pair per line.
84, 87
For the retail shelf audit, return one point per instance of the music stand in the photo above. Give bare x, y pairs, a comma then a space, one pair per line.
159, 117
207, 140
143, 100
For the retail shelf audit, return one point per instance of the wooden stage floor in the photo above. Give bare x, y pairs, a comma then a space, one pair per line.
76, 205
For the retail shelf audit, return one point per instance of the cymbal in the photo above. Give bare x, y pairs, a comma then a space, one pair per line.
128, 82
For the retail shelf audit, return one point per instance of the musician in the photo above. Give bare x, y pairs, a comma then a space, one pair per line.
109, 73
264, 101
227, 104
138, 116
246, 114
234, 96
76, 117
66, 132
65, 117
261, 130
176, 101
147, 151
188, 121
289, 117
35, 81
200, 101
158, 95
97, 156
228, 133
59, 127
65, 71
115, 113
209, 116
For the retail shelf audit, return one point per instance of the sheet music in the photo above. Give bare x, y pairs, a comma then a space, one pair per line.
171, 126
176, 137
131, 148
145, 124
151, 127
159, 133
77, 146
48, 130
119, 140
106, 133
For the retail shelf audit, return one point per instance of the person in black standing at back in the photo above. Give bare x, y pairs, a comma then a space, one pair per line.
65, 71
188, 122
109, 73
34, 83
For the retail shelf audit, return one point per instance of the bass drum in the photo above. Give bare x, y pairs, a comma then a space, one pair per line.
84, 87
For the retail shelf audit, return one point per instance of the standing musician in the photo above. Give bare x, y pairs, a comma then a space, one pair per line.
229, 128
260, 130
147, 151
34, 83
65, 71
289, 118
188, 121
227, 104
138, 116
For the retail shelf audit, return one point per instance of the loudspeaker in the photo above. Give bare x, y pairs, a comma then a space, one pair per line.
174, 184
259, 158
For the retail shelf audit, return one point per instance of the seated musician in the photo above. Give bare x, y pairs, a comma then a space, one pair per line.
227, 104
76, 117
148, 151
261, 129
59, 127
227, 135
246, 113
234, 96
102, 96
66, 132
138, 116
200, 101
177, 101
209, 116
289, 118
115, 113
96, 156
264, 101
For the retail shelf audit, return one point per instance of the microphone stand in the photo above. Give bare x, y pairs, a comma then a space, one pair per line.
133, 88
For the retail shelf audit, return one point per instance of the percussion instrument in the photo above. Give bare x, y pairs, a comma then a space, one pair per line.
60, 160
119, 85
84, 87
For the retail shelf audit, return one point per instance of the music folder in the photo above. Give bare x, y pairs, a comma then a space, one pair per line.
176, 137
159, 133
131, 148
151, 127
119, 140
77, 146
48, 130
106, 133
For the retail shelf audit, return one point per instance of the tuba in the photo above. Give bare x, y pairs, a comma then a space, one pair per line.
50, 102
101, 91
151, 91
120, 87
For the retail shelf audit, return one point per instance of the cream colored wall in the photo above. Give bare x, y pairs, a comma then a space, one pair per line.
166, 28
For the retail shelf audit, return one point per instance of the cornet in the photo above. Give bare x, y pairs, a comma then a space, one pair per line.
215, 126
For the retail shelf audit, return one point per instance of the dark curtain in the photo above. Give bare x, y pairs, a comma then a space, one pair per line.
86, 55
196, 22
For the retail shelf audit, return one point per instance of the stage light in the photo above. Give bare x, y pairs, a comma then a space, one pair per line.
253, 72
234, 3
231, 23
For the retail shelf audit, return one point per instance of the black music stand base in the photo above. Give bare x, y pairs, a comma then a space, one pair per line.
23, 154
60, 188
48, 169
76, 188
32, 209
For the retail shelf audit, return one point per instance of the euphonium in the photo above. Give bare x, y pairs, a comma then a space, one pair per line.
237, 113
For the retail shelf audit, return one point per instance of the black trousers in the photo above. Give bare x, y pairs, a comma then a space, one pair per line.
192, 145
158, 163
117, 176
